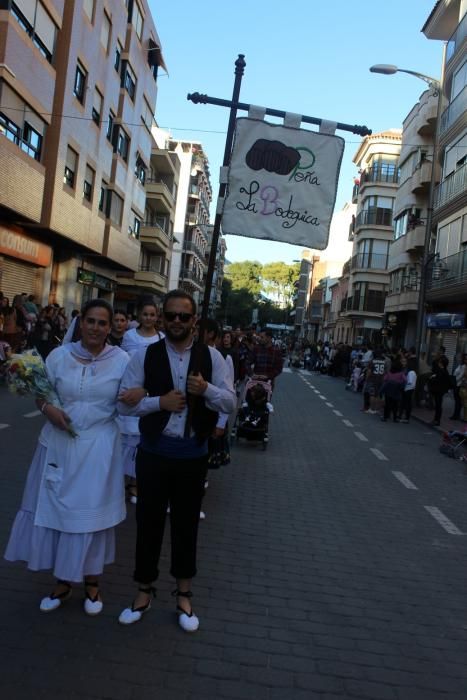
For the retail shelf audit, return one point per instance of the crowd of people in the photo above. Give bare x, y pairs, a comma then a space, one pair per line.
391, 381
146, 400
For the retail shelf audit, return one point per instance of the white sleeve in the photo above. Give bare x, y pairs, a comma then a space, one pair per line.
134, 377
220, 395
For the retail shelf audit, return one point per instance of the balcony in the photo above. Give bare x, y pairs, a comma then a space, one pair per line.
191, 247
192, 276
449, 276
149, 277
456, 40
382, 172
415, 237
158, 190
421, 177
369, 261
351, 230
154, 237
355, 191
451, 187
456, 109
365, 304
374, 217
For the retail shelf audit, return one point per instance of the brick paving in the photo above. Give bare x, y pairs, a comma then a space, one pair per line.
320, 576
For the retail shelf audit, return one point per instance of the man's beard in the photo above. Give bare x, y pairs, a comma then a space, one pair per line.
183, 334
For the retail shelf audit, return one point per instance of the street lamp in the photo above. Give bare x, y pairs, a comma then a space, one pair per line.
388, 69
434, 83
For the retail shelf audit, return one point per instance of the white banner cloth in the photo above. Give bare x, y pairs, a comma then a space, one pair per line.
282, 184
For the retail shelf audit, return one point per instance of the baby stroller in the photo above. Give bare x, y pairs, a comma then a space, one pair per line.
454, 444
252, 422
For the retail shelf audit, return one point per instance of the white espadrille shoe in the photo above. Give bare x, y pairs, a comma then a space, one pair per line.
131, 615
188, 621
92, 604
54, 601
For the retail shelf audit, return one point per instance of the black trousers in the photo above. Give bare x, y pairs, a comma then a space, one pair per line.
406, 404
161, 481
390, 406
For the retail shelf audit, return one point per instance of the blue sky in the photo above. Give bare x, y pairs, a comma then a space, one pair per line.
303, 56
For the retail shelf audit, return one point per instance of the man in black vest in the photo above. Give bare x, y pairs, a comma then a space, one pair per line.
171, 466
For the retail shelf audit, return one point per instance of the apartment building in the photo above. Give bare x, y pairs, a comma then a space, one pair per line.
416, 162
446, 295
366, 278
218, 274
78, 87
191, 218
156, 231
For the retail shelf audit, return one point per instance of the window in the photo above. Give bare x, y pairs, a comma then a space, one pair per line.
115, 209
102, 195
70, 167
36, 22
123, 144
106, 29
129, 80
97, 107
140, 169
110, 126
80, 83
147, 114
88, 7
9, 129
32, 141
118, 56
135, 229
88, 184
137, 20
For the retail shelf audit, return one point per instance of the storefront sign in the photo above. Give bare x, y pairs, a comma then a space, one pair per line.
92, 279
445, 321
16, 245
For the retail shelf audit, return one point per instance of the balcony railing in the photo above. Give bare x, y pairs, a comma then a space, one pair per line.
375, 216
154, 224
457, 38
192, 275
362, 303
452, 186
165, 188
355, 191
190, 247
380, 173
448, 272
455, 110
369, 261
152, 268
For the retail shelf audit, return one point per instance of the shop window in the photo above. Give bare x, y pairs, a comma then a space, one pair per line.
71, 163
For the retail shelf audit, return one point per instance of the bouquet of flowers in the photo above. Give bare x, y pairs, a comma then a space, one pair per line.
26, 374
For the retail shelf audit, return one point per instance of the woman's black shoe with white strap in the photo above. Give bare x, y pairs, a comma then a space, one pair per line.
131, 615
187, 620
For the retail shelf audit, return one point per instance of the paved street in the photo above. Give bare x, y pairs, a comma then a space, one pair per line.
333, 565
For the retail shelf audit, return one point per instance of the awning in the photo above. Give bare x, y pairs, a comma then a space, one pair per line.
155, 57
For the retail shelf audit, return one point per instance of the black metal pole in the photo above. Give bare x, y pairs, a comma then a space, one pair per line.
197, 98
239, 70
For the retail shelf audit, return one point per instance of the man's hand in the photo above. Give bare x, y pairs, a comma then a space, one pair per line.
196, 384
174, 401
132, 397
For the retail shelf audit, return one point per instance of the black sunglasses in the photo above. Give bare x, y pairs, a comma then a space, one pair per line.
172, 315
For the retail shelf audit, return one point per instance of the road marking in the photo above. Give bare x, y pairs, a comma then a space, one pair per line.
361, 436
286, 369
347, 423
4, 425
33, 414
377, 453
331, 405
338, 413
445, 523
323, 397
316, 391
405, 480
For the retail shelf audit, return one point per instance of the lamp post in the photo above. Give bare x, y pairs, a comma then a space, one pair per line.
435, 85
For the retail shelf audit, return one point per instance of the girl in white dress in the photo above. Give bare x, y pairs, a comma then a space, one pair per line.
135, 338
74, 494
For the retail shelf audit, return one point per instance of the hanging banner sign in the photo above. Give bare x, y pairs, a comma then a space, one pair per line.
282, 184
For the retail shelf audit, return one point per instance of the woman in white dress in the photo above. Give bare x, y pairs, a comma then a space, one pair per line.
142, 336
74, 495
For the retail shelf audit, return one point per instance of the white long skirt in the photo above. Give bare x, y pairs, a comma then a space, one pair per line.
71, 556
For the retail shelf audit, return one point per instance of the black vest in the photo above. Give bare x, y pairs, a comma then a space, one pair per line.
158, 381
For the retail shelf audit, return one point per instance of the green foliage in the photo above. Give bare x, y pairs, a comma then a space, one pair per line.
245, 275
278, 280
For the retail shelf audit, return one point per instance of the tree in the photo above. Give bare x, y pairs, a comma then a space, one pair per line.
278, 279
245, 275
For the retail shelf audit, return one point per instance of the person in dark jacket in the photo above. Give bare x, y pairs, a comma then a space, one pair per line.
439, 384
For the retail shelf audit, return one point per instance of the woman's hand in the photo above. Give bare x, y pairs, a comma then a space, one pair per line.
132, 397
57, 417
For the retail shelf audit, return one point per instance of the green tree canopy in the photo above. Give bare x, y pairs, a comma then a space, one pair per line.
245, 275
278, 279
